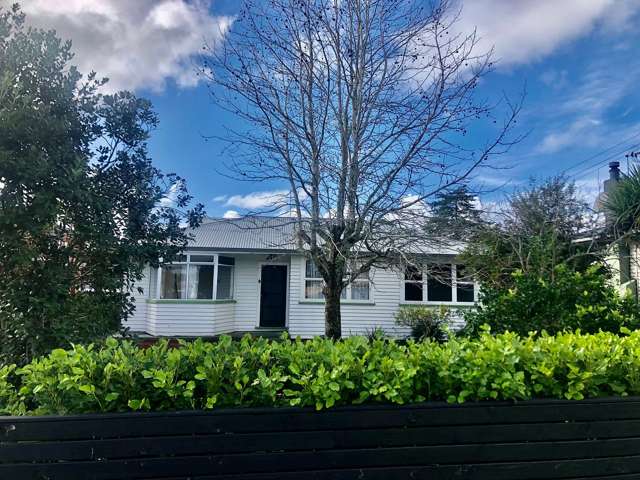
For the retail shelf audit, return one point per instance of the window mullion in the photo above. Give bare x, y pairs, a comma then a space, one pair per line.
159, 282
186, 287
215, 277
425, 285
454, 283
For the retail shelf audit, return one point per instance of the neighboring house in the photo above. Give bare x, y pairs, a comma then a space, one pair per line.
247, 275
623, 255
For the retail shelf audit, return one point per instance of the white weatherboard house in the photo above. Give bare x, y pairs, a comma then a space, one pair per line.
246, 275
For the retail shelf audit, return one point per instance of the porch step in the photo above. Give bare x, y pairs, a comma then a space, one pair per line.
265, 332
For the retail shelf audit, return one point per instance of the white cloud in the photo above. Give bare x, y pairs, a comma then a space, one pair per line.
258, 200
170, 199
136, 43
526, 30
231, 214
220, 198
583, 115
570, 135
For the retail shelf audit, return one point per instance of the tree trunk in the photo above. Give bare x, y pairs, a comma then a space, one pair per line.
332, 318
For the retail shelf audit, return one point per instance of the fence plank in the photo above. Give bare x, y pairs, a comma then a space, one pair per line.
287, 420
99, 449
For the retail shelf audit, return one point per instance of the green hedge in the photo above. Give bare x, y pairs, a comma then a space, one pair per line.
120, 376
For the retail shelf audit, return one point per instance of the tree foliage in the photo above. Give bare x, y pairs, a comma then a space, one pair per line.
82, 208
568, 300
623, 204
533, 233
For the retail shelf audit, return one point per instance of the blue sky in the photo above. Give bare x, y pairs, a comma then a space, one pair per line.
577, 58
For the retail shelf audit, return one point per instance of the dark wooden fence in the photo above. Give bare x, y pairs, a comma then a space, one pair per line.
527, 440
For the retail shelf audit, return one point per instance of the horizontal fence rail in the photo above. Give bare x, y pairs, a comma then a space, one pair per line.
544, 439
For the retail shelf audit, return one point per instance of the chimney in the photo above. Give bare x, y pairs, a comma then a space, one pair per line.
614, 172
608, 185
614, 177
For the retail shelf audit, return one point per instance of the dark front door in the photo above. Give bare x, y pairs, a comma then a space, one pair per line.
273, 296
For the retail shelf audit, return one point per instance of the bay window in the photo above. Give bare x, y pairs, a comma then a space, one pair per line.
197, 277
357, 290
224, 290
438, 283
173, 281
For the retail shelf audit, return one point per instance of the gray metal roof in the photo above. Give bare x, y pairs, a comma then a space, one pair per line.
245, 234
277, 234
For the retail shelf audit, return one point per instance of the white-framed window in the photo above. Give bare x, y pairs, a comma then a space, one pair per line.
197, 276
465, 285
224, 289
358, 290
438, 283
313, 282
413, 284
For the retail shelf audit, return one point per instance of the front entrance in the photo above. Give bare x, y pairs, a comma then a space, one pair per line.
273, 296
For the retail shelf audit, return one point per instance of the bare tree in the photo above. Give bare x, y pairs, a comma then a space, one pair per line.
362, 107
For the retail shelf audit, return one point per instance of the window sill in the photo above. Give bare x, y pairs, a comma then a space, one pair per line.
343, 302
438, 304
190, 301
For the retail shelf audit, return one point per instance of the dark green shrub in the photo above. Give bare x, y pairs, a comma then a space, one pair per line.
425, 322
568, 301
321, 373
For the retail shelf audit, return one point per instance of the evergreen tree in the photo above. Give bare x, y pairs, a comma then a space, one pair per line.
454, 213
81, 208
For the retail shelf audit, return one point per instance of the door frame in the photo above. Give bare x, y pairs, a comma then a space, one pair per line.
286, 303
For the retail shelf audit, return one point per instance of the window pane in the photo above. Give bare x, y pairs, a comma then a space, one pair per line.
413, 292
174, 281
313, 289
226, 260
224, 290
200, 282
465, 292
439, 288
311, 270
462, 274
413, 273
153, 283
202, 258
360, 290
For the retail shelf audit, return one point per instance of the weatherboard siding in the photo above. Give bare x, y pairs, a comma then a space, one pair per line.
306, 319
137, 321
188, 319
